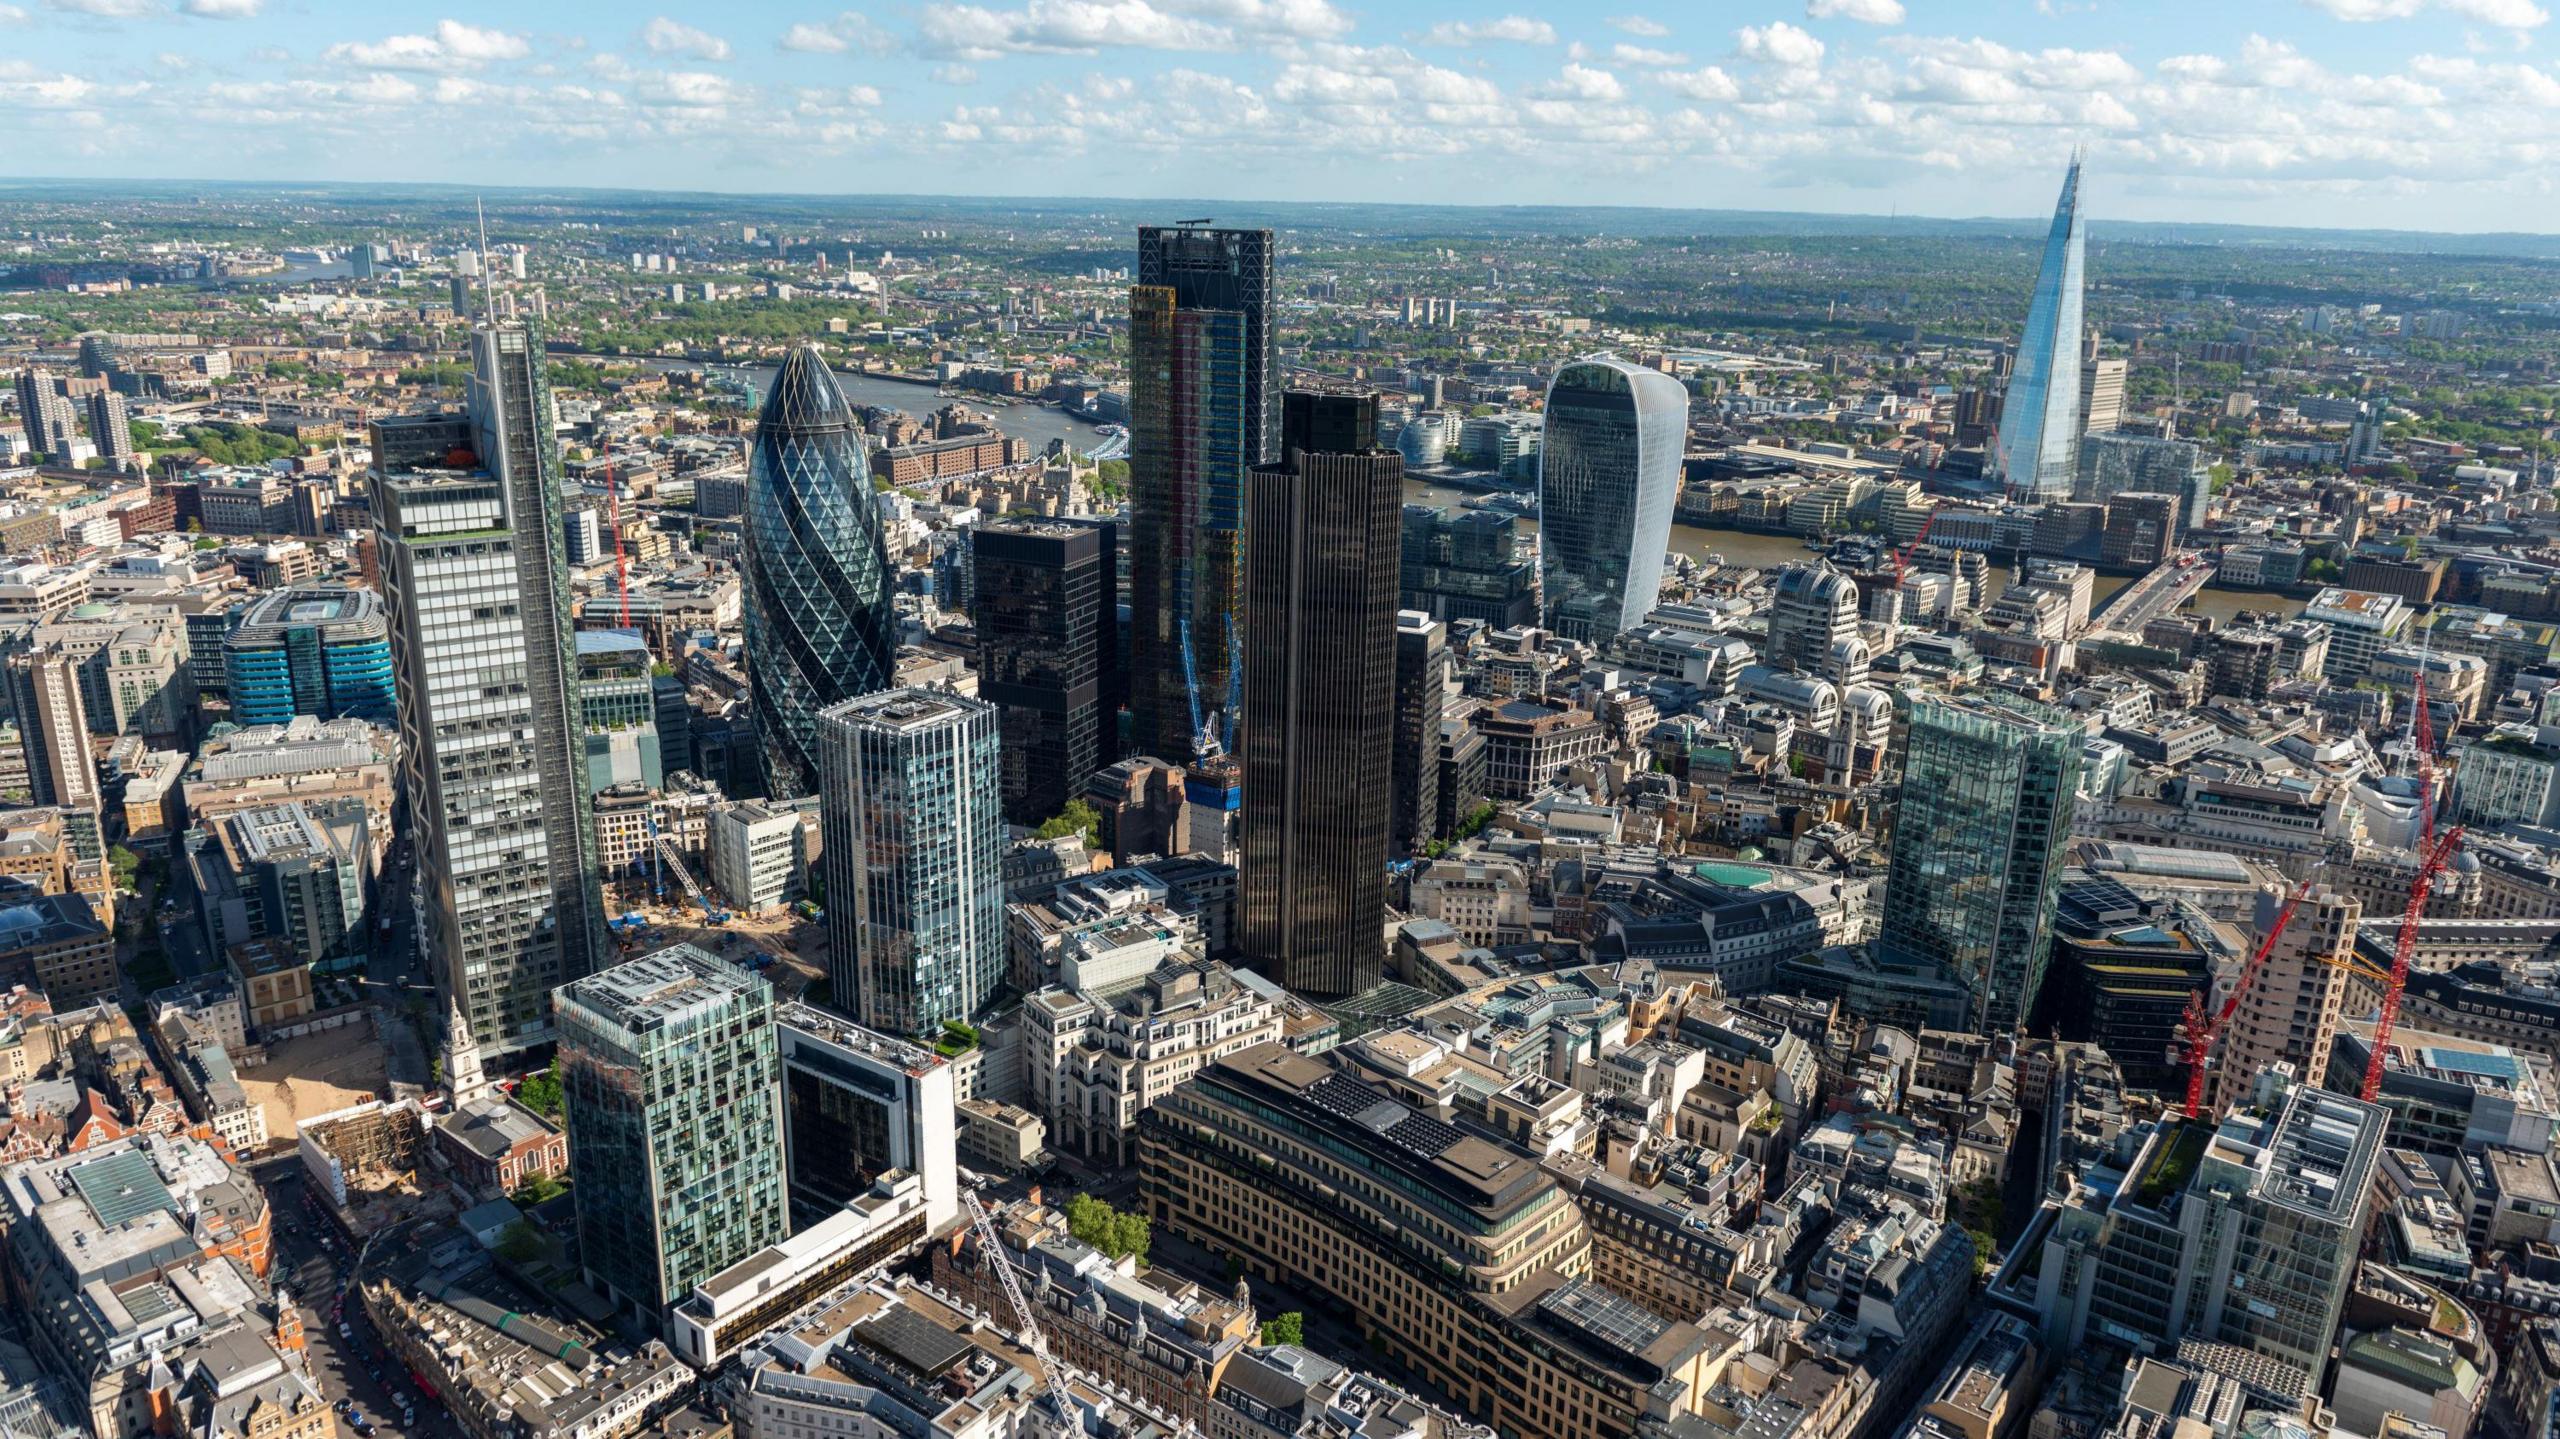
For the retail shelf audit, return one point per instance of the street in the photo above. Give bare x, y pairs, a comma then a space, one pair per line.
350, 1368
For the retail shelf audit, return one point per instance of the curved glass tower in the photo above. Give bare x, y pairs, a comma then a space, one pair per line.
2037, 447
1608, 472
820, 625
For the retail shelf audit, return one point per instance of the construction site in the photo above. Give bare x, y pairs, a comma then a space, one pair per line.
367, 1161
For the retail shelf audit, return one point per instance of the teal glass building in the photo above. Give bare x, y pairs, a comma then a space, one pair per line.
674, 1094
316, 650
1978, 843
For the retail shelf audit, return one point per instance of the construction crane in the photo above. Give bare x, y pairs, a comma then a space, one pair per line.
2438, 854
2201, 1032
1031, 1336
1902, 558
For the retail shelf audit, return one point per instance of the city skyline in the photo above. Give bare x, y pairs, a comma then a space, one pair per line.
2331, 114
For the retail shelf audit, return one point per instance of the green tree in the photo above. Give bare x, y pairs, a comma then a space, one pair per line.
1077, 818
125, 863
519, 1243
540, 1189
1983, 1249
541, 1092
1287, 1327
1107, 1229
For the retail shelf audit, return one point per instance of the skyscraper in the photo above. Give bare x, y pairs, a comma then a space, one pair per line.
1422, 682
111, 427
1608, 472
674, 1095
2037, 447
2290, 1013
914, 857
1978, 839
1046, 612
491, 763
1203, 360
821, 628
1320, 688
46, 412
53, 729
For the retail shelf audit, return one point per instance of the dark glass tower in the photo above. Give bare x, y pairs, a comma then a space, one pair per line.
1202, 360
1422, 682
820, 625
1320, 696
1978, 838
1047, 616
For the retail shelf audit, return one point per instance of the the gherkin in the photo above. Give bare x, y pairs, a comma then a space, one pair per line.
820, 625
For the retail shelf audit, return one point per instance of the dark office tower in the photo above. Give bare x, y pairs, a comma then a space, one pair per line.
1203, 358
1320, 693
46, 413
1047, 617
111, 427
492, 764
821, 627
1422, 678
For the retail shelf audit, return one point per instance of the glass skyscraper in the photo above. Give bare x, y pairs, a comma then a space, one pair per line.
911, 804
1320, 689
1608, 473
821, 627
2037, 447
1203, 357
674, 1095
1978, 839
1046, 606
477, 593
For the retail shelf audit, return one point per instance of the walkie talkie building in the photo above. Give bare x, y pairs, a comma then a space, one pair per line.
821, 628
1608, 474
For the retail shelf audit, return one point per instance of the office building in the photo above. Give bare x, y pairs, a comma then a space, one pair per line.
1978, 840
1813, 624
2240, 1229
1047, 612
477, 597
1455, 1252
1320, 694
2290, 1014
46, 413
1422, 684
821, 628
618, 711
913, 855
2112, 465
1608, 474
53, 729
317, 650
2036, 450
1203, 411
1462, 564
674, 1097
2101, 392
2142, 529
2361, 624
297, 874
858, 1105
111, 429
759, 854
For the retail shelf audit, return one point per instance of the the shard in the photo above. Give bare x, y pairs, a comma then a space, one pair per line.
2036, 451
821, 628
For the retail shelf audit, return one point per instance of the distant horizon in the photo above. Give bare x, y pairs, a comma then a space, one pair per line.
1993, 224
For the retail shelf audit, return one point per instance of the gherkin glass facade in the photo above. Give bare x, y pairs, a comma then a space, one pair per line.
1978, 836
1608, 474
821, 627
2037, 448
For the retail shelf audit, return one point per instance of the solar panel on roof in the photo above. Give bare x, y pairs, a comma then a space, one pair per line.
1423, 1135
914, 1341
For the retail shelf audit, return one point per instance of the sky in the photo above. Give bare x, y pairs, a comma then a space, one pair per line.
2400, 114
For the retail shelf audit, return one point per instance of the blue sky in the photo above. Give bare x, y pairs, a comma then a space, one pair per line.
2413, 114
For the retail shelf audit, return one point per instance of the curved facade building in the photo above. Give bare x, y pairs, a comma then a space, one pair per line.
318, 650
2037, 447
1608, 472
820, 625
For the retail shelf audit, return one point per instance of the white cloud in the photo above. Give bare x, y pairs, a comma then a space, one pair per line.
673, 37
453, 46
105, 9
866, 96
687, 89
1778, 43
1511, 29
2504, 14
381, 89
847, 31
1711, 84
223, 9
1298, 19
1865, 12
955, 74
1066, 27
27, 87
1643, 57
1639, 25
1583, 82
12, 15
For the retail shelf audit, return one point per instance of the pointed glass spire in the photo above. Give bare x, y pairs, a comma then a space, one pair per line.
821, 627
2037, 448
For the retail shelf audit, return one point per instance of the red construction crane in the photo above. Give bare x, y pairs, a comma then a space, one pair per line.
621, 565
2422, 738
2201, 1032
2437, 855
1902, 557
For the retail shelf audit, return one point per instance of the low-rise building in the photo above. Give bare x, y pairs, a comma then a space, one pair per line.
495, 1146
